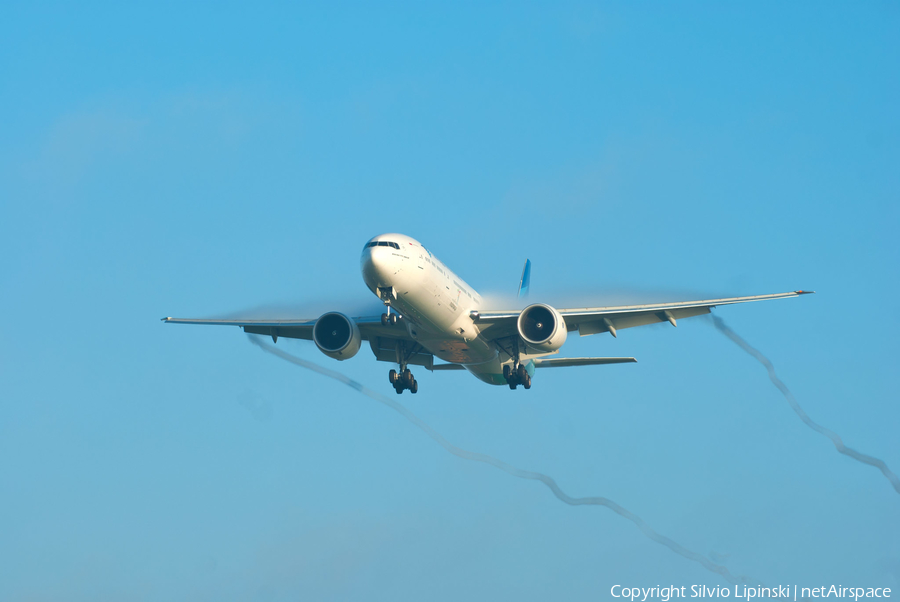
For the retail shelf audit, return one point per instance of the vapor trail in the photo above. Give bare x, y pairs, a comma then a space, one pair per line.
847, 451
516, 472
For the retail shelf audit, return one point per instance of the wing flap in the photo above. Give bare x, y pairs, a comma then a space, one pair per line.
593, 325
287, 332
388, 349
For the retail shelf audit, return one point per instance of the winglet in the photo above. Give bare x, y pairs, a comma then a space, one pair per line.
525, 281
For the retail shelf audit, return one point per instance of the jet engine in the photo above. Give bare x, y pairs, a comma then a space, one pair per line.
542, 327
337, 336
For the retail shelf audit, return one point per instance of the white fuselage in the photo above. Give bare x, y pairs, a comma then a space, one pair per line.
434, 302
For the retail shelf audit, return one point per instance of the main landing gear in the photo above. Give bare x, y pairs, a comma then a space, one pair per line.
515, 373
403, 380
516, 376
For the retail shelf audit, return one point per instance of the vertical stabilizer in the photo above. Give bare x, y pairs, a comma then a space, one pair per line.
525, 282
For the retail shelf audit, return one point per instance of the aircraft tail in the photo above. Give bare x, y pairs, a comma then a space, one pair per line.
525, 281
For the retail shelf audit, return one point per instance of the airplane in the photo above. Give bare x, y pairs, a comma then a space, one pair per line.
436, 314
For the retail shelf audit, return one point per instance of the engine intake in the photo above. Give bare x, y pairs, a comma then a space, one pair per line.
337, 336
542, 327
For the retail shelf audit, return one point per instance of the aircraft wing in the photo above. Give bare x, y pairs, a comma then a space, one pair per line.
593, 320
562, 362
370, 327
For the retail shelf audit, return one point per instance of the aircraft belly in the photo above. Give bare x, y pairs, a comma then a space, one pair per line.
490, 372
460, 351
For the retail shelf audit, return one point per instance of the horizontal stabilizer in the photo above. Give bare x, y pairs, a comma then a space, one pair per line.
562, 362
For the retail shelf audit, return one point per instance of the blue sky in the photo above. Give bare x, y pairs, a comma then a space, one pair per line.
216, 159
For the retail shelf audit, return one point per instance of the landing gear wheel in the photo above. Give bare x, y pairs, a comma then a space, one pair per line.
393, 319
392, 376
521, 374
414, 388
527, 382
506, 372
512, 385
398, 388
384, 319
407, 377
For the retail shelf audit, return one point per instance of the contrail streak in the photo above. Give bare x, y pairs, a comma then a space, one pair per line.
516, 472
847, 451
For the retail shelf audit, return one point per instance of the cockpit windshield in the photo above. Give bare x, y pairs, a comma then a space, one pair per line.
382, 243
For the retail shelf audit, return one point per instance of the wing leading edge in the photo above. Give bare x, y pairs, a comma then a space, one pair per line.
369, 327
289, 329
594, 320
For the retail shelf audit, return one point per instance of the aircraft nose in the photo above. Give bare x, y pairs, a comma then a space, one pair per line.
374, 264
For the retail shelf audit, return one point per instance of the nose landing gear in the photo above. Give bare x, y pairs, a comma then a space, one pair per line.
516, 376
389, 318
403, 380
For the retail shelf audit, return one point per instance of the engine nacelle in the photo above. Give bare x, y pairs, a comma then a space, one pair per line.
336, 336
542, 327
